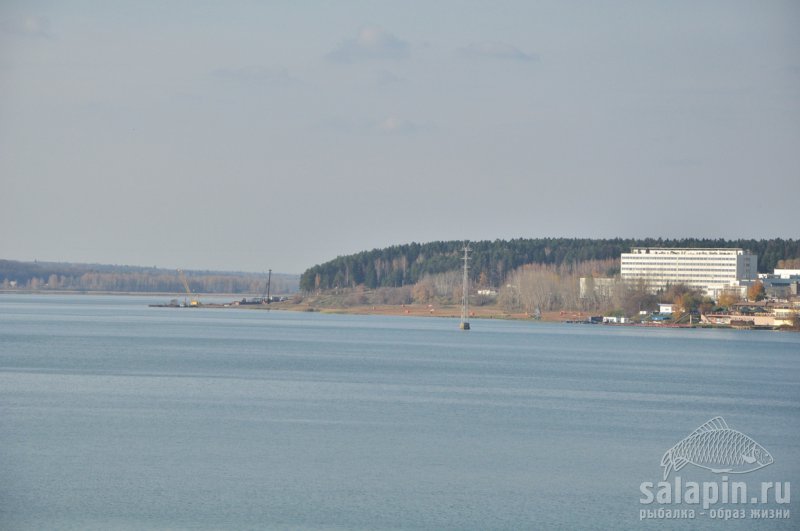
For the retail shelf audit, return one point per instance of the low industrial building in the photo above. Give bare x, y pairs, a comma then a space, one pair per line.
787, 274
755, 315
781, 284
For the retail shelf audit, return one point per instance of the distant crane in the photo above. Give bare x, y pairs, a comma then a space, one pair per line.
192, 300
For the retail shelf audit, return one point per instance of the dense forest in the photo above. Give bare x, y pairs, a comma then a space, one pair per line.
402, 265
55, 276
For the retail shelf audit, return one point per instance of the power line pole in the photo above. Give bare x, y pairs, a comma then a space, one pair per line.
465, 291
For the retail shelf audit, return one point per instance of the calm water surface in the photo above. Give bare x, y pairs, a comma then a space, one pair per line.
114, 415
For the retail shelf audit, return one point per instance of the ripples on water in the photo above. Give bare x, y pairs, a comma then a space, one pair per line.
116, 415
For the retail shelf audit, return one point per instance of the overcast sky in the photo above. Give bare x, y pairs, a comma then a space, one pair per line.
255, 135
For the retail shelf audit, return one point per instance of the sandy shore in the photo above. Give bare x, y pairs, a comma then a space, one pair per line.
424, 310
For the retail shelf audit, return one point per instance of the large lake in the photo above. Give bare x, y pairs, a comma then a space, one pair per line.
116, 415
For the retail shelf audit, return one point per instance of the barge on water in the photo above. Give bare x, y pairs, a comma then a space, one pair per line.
175, 304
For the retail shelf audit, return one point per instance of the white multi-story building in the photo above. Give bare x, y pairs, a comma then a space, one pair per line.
711, 270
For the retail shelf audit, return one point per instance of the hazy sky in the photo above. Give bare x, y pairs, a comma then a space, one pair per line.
247, 135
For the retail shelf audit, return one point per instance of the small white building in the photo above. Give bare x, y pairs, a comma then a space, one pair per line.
666, 309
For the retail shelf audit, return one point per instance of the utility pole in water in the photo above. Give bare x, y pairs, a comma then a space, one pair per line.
465, 291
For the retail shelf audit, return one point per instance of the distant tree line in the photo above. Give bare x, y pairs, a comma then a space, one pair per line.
407, 264
54, 276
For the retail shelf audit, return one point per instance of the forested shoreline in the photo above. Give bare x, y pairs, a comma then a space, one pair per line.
57, 276
493, 261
